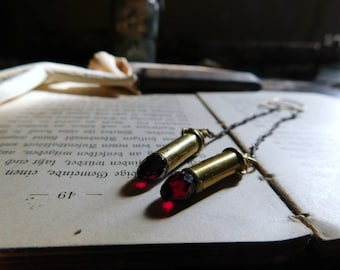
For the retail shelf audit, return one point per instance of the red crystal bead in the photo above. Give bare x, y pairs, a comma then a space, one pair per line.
179, 186
152, 168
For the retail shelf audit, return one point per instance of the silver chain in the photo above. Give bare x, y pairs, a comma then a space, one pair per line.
272, 106
262, 138
245, 121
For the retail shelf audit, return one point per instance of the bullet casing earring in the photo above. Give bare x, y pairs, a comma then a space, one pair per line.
182, 185
160, 163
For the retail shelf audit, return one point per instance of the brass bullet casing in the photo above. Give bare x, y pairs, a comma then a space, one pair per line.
160, 163
188, 145
218, 167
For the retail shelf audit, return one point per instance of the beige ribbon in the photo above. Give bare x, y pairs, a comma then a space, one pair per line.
104, 70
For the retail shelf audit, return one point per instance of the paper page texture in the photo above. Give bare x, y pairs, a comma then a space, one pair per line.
302, 154
66, 161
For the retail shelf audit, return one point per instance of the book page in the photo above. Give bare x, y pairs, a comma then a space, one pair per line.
68, 166
302, 154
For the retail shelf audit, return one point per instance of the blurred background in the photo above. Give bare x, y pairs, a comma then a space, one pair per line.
272, 38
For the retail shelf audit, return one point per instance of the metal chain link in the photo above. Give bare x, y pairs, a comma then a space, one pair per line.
245, 121
262, 138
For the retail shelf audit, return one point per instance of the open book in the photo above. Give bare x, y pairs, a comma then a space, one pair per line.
68, 167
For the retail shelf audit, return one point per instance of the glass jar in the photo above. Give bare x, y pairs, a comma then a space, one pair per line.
136, 29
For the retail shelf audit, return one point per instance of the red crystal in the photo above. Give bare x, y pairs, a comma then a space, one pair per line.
152, 168
179, 186
168, 206
141, 184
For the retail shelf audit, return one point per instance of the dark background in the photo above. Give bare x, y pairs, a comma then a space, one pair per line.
272, 38
280, 38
